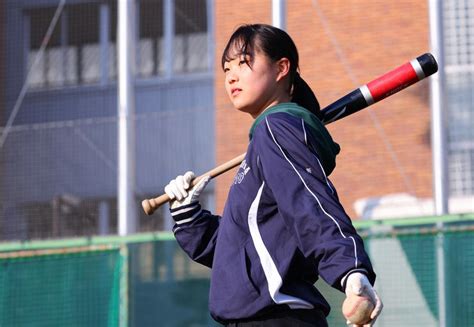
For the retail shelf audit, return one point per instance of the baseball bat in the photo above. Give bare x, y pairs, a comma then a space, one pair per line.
389, 83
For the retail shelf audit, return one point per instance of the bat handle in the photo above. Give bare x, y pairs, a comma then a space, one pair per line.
150, 205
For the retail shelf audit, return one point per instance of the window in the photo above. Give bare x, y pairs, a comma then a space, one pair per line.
69, 216
151, 43
45, 72
190, 40
72, 55
85, 37
83, 50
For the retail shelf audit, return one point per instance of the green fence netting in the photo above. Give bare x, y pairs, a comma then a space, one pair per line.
424, 278
60, 289
459, 285
166, 288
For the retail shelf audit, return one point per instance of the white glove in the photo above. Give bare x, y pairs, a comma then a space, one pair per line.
358, 284
178, 192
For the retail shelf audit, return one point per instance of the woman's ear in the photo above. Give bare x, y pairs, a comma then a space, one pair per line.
283, 66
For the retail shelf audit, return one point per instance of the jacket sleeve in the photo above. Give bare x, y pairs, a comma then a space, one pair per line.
308, 201
196, 230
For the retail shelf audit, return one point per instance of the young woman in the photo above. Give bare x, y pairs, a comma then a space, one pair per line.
283, 224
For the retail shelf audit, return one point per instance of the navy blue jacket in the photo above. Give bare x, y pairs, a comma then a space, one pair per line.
282, 226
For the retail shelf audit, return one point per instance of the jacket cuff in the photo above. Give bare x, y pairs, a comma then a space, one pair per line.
186, 213
344, 279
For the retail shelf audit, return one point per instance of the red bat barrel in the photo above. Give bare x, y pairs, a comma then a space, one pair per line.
381, 87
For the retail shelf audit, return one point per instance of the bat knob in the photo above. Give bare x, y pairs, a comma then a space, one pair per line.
428, 64
148, 206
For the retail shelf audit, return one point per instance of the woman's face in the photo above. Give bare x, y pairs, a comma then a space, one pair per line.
252, 82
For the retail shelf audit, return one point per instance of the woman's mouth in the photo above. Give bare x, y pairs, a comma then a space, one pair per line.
235, 91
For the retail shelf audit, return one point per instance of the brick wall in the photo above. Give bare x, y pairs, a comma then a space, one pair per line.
344, 44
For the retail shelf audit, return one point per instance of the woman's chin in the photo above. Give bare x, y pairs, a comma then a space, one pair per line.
241, 108
251, 110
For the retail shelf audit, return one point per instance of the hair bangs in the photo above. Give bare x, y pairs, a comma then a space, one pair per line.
242, 42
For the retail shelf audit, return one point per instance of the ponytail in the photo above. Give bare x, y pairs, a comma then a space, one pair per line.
303, 96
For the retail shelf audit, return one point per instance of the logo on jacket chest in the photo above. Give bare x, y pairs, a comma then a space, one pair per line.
243, 170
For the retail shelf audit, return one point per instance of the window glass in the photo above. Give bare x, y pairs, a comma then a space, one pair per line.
83, 42
45, 71
190, 41
150, 44
112, 50
72, 55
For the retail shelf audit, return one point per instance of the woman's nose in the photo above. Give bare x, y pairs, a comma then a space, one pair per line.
231, 77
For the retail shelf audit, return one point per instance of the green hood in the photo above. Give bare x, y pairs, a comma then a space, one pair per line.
326, 148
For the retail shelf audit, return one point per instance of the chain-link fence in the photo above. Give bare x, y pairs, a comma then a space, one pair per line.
58, 145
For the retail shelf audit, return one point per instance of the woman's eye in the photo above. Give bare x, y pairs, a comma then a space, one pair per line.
243, 62
226, 70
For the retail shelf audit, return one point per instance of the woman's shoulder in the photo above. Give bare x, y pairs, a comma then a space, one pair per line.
298, 125
276, 122
284, 114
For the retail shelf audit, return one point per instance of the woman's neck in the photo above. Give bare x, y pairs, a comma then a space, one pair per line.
280, 99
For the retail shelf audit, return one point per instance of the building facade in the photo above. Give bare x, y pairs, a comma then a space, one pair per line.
58, 100
386, 152
60, 154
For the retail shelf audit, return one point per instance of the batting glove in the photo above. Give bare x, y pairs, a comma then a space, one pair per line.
179, 192
358, 284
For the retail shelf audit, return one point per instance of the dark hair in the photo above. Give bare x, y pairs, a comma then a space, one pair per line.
275, 44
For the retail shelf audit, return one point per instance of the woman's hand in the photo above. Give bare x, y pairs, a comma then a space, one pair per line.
179, 192
358, 284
